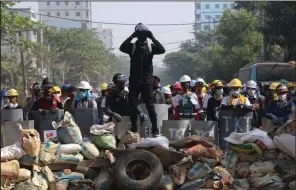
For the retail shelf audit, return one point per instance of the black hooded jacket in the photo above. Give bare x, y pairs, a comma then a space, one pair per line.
141, 69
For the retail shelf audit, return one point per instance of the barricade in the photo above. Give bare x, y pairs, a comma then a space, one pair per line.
232, 121
175, 129
85, 118
162, 114
10, 132
12, 115
205, 129
123, 126
43, 120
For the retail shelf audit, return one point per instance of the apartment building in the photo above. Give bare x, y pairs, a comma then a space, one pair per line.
105, 35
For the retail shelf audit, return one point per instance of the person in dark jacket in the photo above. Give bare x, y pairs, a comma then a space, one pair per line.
215, 101
12, 95
141, 72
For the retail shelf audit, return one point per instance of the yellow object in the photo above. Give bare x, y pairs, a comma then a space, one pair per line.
55, 89
247, 148
215, 81
104, 86
204, 89
274, 85
235, 83
12, 92
218, 84
241, 100
290, 85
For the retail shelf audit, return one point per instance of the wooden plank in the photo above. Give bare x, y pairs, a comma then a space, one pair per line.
85, 163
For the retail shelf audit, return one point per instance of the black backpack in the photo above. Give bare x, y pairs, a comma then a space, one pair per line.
185, 105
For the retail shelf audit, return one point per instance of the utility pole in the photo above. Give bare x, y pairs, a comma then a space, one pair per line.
42, 53
23, 67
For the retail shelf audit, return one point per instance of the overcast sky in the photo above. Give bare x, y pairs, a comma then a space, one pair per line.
145, 12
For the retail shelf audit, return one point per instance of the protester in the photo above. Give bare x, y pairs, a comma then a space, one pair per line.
64, 96
200, 91
83, 97
5, 100
186, 104
292, 93
12, 95
211, 93
279, 110
56, 92
47, 101
36, 94
71, 93
167, 95
101, 101
177, 89
141, 72
214, 102
158, 96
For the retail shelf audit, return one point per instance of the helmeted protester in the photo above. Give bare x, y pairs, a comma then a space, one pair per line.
236, 99
101, 101
200, 91
186, 104
257, 102
141, 72
12, 95
279, 110
292, 92
48, 101
211, 93
215, 100
83, 98
167, 95
71, 93
5, 100
177, 89
56, 92
36, 94
64, 96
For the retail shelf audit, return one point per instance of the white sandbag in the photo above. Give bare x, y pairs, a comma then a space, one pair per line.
24, 175
161, 141
286, 143
68, 149
262, 167
12, 152
102, 129
89, 150
261, 182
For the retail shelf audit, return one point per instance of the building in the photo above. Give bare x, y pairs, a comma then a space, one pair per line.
66, 14
207, 14
105, 35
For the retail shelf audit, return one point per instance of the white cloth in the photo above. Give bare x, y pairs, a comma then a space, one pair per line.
11, 105
205, 101
103, 103
225, 101
194, 100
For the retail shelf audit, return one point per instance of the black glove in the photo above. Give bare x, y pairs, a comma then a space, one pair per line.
134, 35
117, 117
143, 117
150, 35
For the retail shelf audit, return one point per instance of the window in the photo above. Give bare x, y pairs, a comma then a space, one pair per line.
86, 3
198, 17
48, 13
77, 2
77, 13
207, 27
231, 6
58, 14
66, 3
48, 3
58, 3
207, 6
207, 16
217, 17
198, 5
225, 6
66, 14
217, 6
198, 26
87, 14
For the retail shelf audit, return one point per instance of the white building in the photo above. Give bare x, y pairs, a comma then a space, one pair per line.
105, 35
66, 14
208, 14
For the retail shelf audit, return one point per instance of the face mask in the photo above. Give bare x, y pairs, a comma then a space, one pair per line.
251, 92
11, 105
82, 94
57, 95
185, 86
219, 92
292, 92
282, 97
235, 93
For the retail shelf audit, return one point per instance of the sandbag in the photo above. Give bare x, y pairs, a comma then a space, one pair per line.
260, 182
262, 167
178, 173
49, 146
229, 160
40, 180
191, 141
240, 184
23, 175
197, 171
69, 158
194, 184
161, 141
74, 176
67, 130
243, 157
12, 152
167, 183
6, 183
102, 129
271, 154
128, 138
81, 184
10, 169
27, 185
221, 171
105, 141
89, 150
28, 160
68, 149
59, 184
247, 148
285, 143
48, 152
30, 141
104, 181
242, 169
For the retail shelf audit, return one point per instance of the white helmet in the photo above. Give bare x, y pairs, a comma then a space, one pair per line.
200, 81
166, 90
84, 85
185, 78
251, 84
192, 83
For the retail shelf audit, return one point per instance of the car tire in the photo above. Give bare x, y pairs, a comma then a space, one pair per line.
123, 181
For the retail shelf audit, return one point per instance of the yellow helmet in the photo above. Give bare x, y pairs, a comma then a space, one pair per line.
12, 92
235, 83
218, 83
290, 85
204, 89
55, 89
104, 86
215, 81
274, 85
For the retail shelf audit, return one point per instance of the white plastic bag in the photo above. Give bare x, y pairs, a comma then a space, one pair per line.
262, 167
102, 129
68, 149
12, 152
286, 143
162, 142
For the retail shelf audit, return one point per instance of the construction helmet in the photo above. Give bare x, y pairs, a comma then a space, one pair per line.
290, 85
104, 86
185, 78
282, 88
217, 83
192, 83
235, 83
12, 92
204, 89
274, 85
166, 90
200, 81
83, 85
55, 89
178, 86
251, 84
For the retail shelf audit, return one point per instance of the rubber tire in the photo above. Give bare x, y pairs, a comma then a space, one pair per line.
123, 181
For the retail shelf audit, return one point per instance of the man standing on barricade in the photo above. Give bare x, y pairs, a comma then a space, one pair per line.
141, 72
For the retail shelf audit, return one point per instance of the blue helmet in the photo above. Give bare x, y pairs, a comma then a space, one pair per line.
64, 87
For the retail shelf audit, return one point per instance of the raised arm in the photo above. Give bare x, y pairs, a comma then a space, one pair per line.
127, 46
